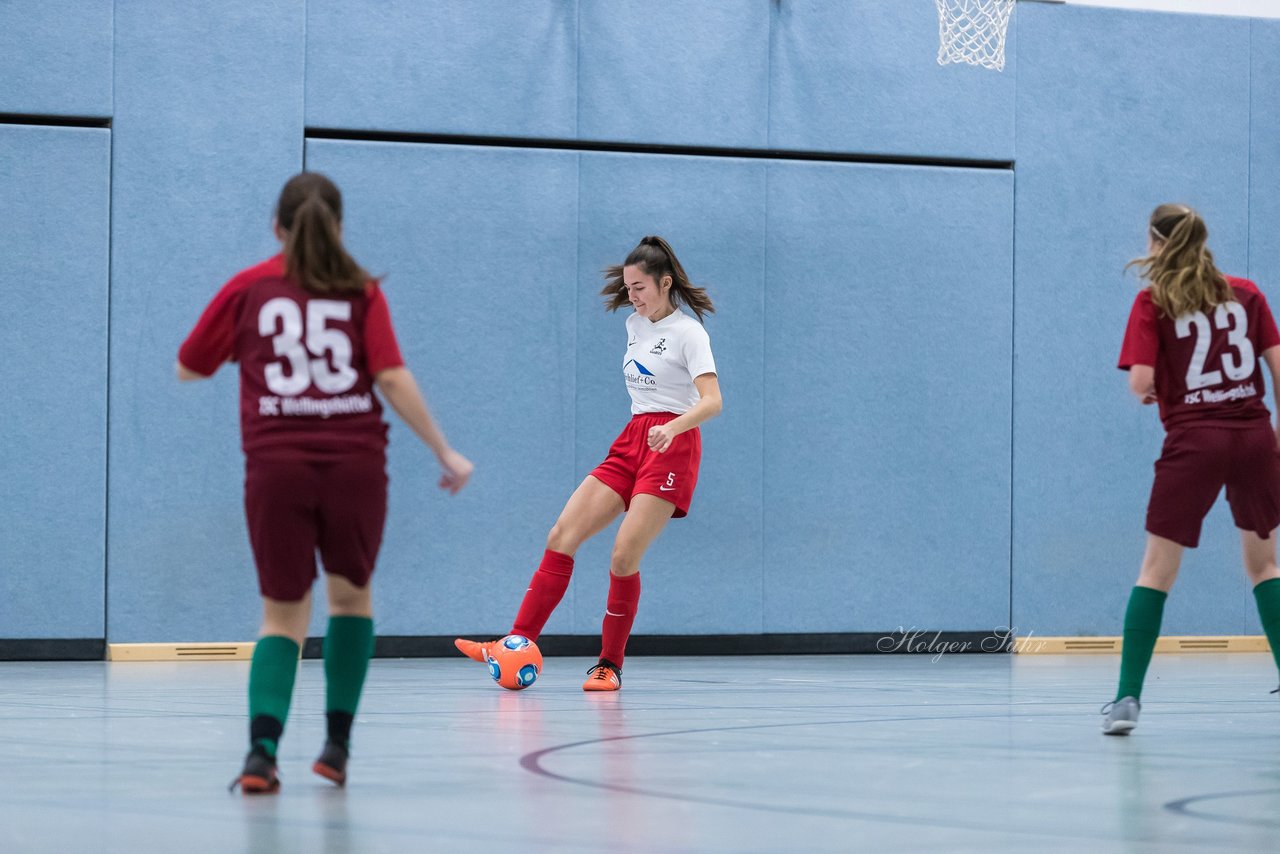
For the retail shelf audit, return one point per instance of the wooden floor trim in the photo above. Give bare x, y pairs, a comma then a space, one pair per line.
1110, 645
180, 651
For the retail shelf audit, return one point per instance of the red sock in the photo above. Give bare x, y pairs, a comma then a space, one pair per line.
619, 614
546, 589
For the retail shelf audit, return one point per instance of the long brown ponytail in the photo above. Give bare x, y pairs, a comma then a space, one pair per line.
310, 213
1181, 271
656, 258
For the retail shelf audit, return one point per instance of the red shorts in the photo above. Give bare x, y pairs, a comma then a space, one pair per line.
296, 507
1194, 466
632, 469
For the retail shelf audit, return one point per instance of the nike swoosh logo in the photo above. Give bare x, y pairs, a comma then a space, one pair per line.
665, 488
609, 613
631, 343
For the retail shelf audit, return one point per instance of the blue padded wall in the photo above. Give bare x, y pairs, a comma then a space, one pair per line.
888, 317
704, 574
863, 77
55, 57
671, 71
208, 126
443, 67
1106, 131
54, 202
1264, 203
480, 249
1264, 159
944, 461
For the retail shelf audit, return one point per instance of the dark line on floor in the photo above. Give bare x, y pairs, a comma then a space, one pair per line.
532, 762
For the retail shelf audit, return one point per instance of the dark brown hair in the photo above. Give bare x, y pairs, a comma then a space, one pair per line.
655, 257
310, 214
1181, 271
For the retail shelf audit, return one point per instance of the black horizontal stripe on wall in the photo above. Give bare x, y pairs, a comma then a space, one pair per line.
53, 649
650, 148
54, 121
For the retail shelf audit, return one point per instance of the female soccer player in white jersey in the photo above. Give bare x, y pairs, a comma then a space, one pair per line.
1195, 344
651, 469
312, 334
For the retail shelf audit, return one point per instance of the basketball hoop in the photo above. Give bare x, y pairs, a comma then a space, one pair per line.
973, 31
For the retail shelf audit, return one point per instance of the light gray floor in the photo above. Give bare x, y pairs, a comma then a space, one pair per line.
824, 753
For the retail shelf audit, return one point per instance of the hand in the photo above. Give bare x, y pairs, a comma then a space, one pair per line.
660, 437
456, 471
1150, 398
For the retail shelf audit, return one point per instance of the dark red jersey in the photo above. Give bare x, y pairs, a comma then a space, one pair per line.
1207, 364
307, 363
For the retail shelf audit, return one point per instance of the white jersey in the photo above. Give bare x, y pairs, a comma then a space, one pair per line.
661, 361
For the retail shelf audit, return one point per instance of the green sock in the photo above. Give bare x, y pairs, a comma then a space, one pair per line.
348, 645
1267, 595
275, 665
1141, 628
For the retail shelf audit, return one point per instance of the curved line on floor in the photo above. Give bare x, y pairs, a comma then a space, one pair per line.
1182, 806
532, 762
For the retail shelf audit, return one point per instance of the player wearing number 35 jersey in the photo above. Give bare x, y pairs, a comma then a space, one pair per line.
652, 467
312, 334
1195, 344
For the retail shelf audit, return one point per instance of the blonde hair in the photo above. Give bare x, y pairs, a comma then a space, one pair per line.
1181, 271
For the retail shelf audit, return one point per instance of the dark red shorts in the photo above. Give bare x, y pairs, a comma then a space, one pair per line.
1194, 466
632, 469
295, 508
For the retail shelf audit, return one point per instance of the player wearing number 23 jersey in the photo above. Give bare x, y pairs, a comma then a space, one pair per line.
1195, 344
1207, 369
312, 335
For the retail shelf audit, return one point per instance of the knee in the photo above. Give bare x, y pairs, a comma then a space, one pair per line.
1157, 578
561, 538
349, 600
624, 561
1261, 571
286, 619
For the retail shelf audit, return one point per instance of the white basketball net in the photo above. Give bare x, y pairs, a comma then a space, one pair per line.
973, 31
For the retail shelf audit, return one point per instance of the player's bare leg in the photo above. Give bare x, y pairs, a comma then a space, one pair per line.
1141, 629
348, 645
1160, 564
271, 678
590, 509
1260, 565
286, 619
1259, 557
347, 600
641, 526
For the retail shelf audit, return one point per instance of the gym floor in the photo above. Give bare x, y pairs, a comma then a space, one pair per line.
898, 753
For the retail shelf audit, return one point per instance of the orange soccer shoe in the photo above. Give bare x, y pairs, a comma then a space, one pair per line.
474, 650
259, 776
332, 763
605, 676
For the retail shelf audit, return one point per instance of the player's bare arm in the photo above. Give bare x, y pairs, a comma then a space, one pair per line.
709, 405
399, 389
187, 375
1142, 382
1271, 356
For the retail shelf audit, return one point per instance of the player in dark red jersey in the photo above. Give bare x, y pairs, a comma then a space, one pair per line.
1194, 345
651, 469
313, 337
